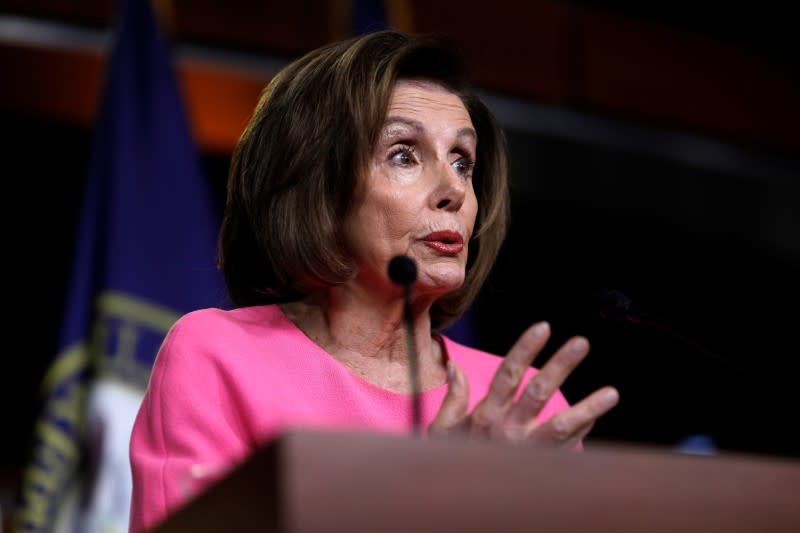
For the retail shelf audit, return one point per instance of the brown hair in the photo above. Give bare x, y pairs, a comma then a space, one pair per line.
298, 163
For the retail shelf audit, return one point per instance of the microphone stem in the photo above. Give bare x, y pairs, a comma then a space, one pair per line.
670, 332
411, 350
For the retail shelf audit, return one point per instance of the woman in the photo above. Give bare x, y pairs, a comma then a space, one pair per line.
357, 152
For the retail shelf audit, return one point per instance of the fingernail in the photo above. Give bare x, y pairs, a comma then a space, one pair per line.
609, 398
540, 329
579, 345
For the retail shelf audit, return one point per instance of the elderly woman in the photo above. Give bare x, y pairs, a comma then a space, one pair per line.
356, 153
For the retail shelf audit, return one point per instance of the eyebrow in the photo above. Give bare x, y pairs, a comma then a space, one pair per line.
419, 127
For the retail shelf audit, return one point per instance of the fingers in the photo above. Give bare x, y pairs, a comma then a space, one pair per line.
542, 386
568, 427
503, 388
453, 412
499, 416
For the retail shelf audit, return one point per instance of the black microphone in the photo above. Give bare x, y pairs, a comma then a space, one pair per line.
615, 305
403, 272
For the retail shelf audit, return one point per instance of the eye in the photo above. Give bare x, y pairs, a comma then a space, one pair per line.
463, 166
403, 156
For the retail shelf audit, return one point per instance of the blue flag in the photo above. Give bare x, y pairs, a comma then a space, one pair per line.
145, 254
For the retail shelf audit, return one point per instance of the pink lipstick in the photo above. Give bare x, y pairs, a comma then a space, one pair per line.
444, 242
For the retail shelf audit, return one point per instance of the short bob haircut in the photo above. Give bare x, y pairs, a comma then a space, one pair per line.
299, 161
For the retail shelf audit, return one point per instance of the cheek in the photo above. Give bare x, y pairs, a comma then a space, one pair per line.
398, 212
380, 221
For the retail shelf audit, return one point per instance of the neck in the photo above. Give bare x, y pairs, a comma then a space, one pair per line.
366, 333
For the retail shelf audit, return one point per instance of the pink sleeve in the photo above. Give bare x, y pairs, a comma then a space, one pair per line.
187, 424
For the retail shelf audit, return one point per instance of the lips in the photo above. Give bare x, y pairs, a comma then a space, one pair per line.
444, 242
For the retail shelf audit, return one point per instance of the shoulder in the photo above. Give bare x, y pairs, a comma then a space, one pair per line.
213, 320
212, 335
219, 326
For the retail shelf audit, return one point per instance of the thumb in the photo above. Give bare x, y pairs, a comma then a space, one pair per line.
452, 414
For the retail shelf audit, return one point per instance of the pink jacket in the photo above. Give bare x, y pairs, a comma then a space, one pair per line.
226, 382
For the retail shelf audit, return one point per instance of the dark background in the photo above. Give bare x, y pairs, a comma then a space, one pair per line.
709, 253
690, 249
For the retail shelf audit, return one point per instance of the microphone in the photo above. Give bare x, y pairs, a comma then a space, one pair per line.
615, 305
403, 272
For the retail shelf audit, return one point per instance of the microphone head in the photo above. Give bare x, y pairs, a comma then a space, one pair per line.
613, 304
402, 270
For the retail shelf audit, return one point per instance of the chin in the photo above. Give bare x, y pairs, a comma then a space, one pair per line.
442, 280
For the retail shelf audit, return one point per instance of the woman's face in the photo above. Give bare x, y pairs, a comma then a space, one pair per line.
417, 197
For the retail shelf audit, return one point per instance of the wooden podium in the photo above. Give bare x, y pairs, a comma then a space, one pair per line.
324, 482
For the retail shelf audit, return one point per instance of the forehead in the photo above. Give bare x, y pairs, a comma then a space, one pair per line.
422, 99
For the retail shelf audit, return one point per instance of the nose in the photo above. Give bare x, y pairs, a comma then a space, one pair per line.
450, 190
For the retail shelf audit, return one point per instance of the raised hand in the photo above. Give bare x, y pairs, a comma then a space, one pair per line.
505, 415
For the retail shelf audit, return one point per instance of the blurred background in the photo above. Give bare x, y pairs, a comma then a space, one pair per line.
655, 169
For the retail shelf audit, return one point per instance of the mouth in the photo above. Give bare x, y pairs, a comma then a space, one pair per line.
445, 242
